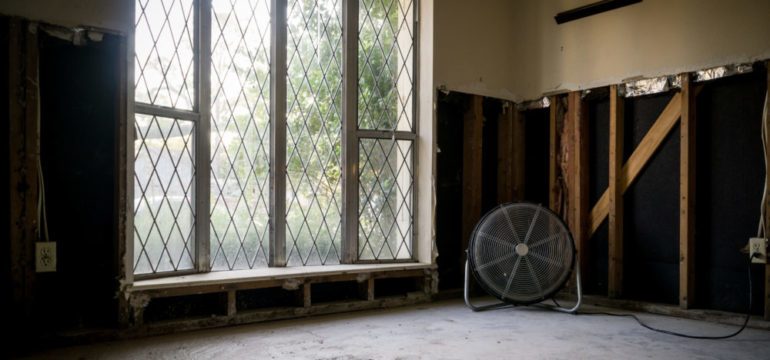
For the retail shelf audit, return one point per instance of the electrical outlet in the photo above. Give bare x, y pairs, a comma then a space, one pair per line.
45, 256
758, 246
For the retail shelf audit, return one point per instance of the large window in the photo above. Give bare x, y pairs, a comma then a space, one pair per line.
267, 134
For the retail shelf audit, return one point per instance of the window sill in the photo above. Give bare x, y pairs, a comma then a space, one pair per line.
268, 274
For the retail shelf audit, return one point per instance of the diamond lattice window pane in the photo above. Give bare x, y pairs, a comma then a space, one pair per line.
164, 53
386, 65
164, 214
385, 199
240, 133
314, 98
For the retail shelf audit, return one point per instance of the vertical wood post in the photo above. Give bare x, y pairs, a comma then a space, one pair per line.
505, 154
615, 269
519, 155
687, 196
553, 150
24, 148
578, 184
232, 303
473, 123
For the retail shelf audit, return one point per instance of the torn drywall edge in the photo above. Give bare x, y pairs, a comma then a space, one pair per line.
640, 86
479, 89
722, 71
656, 85
78, 36
541, 103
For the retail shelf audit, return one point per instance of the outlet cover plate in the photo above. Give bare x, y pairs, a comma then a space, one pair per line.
759, 246
45, 256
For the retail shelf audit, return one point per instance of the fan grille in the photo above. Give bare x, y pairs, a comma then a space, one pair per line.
521, 253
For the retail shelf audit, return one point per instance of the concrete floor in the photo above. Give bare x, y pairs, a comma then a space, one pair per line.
443, 330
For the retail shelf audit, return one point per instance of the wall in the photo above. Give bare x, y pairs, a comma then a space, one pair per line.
473, 47
108, 14
655, 37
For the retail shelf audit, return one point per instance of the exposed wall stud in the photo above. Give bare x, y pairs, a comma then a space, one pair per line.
505, 154
578, 177
519, 155
473, 123
615, 238
554, 191
687, 195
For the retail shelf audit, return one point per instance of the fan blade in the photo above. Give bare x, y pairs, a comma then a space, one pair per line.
532, 225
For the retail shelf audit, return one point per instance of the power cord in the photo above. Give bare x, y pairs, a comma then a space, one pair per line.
669, 332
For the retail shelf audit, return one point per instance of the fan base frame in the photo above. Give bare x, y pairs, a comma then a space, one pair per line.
476, 308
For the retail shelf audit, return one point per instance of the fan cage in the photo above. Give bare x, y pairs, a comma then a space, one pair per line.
566, 240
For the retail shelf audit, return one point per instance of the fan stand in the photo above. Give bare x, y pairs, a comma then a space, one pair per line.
571, 310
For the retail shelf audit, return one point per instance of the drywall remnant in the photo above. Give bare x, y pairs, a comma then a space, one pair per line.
722, 71
640, 87
542, 103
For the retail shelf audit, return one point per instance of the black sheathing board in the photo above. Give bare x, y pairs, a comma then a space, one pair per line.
5, 246
79, 93
492, 109
536, 128
449, 187
651, 209
595, 281
729, 183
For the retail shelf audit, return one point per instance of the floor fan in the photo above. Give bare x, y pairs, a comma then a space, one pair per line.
522, 254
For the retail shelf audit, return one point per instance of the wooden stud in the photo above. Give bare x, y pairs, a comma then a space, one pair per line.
306, 295
473, 123
232, 303
767, 204
578, 183
505, 154
553, 149
687, 196
124, 191
365, 288
615, 238
639, 158
370, 289
519, 155
24, 152
16, 158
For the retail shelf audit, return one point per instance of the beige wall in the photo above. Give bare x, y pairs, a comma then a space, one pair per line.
108, 14
473, 46
655, 37
513, 49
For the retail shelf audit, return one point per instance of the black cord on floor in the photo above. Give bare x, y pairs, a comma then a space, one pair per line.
745, 321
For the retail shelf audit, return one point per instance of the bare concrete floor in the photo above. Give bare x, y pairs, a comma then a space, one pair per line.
443, 330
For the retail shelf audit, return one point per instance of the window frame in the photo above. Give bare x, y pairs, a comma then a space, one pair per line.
200, 115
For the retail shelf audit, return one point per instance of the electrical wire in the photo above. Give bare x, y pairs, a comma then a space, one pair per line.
42, 215
762, 230
689, 336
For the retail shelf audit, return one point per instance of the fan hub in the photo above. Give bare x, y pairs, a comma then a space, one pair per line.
521, 249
